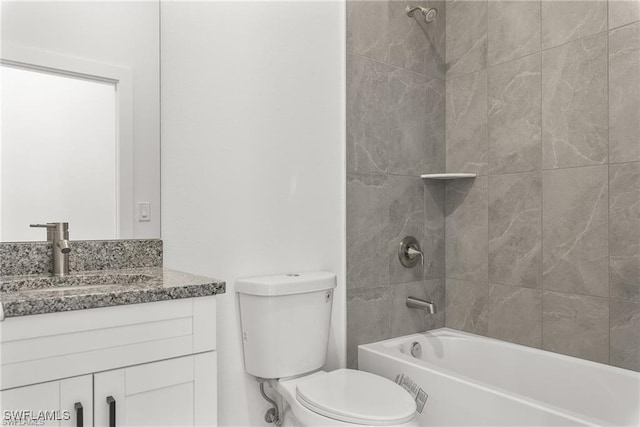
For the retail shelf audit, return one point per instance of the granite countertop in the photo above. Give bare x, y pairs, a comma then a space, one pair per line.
38, 294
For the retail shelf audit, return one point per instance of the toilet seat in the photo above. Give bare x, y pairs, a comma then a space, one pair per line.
356, 397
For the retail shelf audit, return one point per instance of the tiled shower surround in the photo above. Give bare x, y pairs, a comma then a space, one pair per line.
543, 248
395, 132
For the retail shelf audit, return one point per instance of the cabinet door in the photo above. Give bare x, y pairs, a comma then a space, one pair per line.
154, 394
64, 403
76, 396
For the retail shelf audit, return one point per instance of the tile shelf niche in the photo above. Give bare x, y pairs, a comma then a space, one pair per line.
447, 176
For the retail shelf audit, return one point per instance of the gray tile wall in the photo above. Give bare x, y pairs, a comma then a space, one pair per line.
395, 133
543, 102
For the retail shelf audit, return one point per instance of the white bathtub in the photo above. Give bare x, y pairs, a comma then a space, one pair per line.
472, 380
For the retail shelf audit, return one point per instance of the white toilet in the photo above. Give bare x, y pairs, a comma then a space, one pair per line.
285, 331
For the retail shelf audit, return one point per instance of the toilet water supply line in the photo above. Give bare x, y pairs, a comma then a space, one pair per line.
273, 414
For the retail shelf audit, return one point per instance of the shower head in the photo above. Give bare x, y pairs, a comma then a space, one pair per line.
428, 13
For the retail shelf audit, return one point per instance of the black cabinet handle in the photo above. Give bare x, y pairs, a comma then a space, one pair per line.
79, 414
112, 411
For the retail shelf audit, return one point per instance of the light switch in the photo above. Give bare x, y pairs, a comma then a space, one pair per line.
144, 211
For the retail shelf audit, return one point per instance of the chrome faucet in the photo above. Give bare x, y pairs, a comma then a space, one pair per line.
58, 236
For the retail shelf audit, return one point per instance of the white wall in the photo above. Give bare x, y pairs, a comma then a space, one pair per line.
121, 33
253, 174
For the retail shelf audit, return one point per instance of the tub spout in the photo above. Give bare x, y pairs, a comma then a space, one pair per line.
421, 304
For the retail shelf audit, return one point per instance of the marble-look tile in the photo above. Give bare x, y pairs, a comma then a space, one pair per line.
367, 115
467, 123
415, 44
406, 218
567, 20
367, 223
367, 29
624, 94
574, 103
515, 229
408, 127
515, 116
466, 229
368, 319
623, 12
625, 334
514, 29
515, 315
436, 126
575, 223
624, 230
466, 29
405, 320
466, 306
576, 325
434, 242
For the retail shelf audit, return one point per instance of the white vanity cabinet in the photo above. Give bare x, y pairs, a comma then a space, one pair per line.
175, 392
156, 361
72, 396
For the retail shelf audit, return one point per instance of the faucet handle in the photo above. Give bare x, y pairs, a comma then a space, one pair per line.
55, 230
62, 226
413, 252
409, 251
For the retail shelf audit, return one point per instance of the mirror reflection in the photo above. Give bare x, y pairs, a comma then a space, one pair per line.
79, 93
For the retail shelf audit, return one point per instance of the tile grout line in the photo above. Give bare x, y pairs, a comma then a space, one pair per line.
608, 190
389, 64
578, 294
444, 189
486, 148
486, 157
540, 51
541, 194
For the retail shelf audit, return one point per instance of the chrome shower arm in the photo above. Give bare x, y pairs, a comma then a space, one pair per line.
428, 13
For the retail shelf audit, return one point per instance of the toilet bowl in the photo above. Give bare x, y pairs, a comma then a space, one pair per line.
285, 335
346, 397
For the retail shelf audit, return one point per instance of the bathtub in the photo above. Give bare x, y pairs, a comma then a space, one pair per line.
469, 380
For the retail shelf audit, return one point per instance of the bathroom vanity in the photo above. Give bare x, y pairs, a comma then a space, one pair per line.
109, 348
121, 340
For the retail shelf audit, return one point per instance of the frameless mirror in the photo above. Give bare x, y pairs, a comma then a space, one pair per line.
80, 118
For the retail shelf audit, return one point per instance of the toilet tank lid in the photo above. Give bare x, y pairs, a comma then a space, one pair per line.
286, 284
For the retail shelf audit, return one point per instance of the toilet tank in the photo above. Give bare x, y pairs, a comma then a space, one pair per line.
285, 322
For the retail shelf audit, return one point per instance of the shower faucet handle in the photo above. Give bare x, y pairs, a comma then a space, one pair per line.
412, 252
409, 251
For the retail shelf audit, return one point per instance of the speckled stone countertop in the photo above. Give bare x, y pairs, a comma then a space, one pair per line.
38, 294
